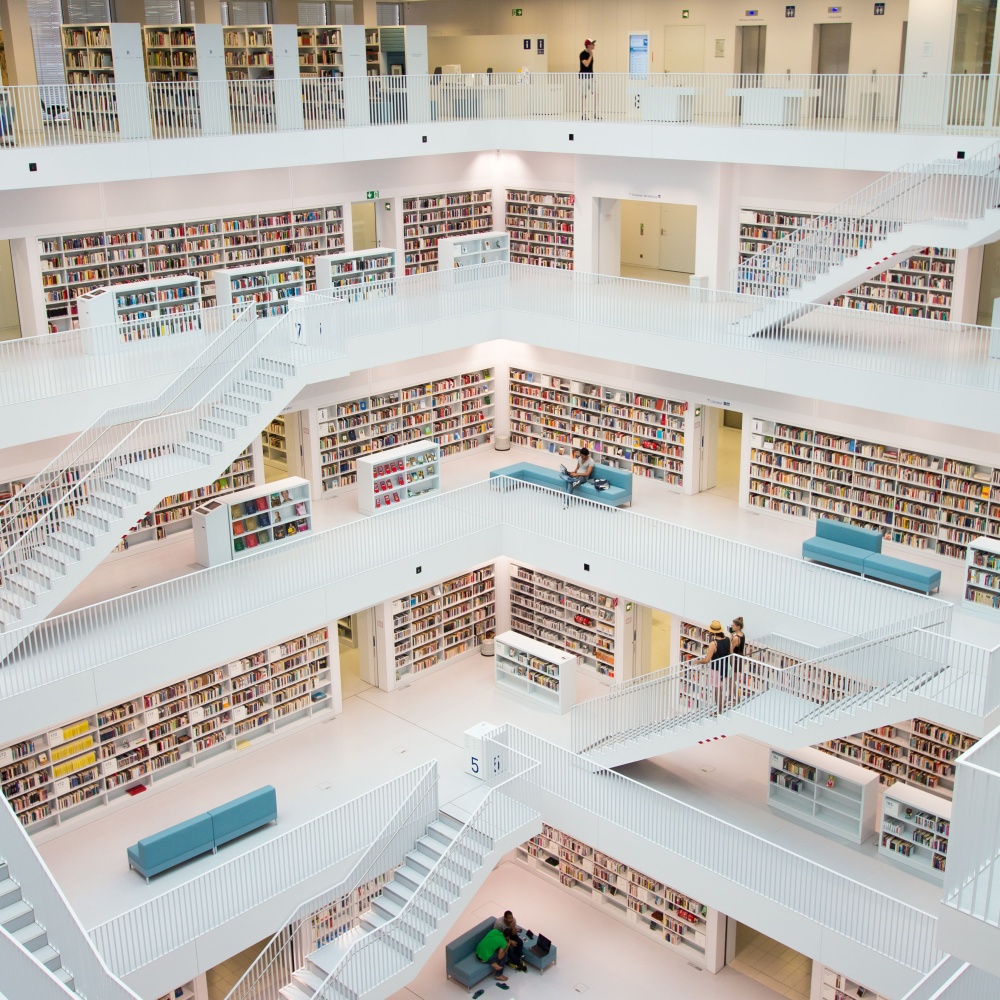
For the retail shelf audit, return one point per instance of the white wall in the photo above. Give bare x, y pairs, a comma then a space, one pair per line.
477, 53
930, 34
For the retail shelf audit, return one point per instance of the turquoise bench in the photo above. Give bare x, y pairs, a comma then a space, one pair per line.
206, 832
859, 550
618, 493
462, 965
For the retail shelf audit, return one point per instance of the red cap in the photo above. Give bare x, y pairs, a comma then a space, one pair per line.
589, 41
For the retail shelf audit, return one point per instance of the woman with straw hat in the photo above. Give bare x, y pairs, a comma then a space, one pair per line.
717, 657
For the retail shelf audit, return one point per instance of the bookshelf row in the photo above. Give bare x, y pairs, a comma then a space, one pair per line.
434, 625
838, 986
51, 776
641, 433
455, 412
74, 264
536, 672
918, 286
429, 218
540, 224
669, 916
982, 575
344, 914
915, 830
926, 501
566, 615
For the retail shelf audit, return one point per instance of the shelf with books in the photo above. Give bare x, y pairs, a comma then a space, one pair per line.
456, 254
641, 433
455, 412
535, 671
982, 575
829, 794
398, 476
361, 275
321, 50
429, 627
567, 615
266, 286
915, 827
918, 286
75, 264
916, 752
838, 986
540, 224
51, 776
273, 441
342, 915
670, 916
428, 218
185, 992
917, 499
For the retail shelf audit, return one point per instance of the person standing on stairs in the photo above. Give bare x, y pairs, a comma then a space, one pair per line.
717, 657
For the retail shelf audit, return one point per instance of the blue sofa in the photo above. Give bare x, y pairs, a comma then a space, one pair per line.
859, 550
462, 965
206, 832
618, 493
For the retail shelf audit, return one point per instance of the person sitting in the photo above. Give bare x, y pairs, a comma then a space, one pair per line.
515, 946
583, 471
493, 949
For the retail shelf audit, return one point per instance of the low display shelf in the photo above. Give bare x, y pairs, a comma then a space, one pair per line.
425, 629
49, 776
688, 927
398, 476
982, 575
355, 276
915, 829
837, 986
536, 672
251, 520
459, 253
267, 287
829, 794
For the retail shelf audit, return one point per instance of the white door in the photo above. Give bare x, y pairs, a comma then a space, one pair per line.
640, 233
678, 224
684, 49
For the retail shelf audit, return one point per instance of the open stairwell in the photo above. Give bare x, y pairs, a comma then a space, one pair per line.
17, 917
67, 525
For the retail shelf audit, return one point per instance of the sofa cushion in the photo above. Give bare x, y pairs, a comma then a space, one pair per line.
849, 534
163, 850
248, 812
837, 554
899, 571
460, 955
618, 492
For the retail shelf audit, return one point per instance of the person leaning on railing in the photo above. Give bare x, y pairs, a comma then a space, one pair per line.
717, 657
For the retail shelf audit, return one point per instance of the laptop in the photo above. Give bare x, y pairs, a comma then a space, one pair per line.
541, 948
563, 470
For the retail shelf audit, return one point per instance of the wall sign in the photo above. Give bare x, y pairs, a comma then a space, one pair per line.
371, 195
638, 53
789, 11
879, 9
516, 11
540, 46
527, 44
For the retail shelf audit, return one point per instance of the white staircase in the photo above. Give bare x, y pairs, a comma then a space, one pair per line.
17, 917
56, 531
954, 979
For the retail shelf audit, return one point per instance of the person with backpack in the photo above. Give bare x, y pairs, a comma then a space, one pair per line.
717, 658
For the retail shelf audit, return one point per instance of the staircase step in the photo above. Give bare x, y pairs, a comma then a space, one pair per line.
372, 920
431, 846
420, 861
454, 816
66, 978
12, 603
120, 489
199, 455
39, 572
229, 415
77, 528
202, 440
26, 586
219, 428
292, 992
16, 915
52, 557
408, 876
239, 401
93, 516
10, 891
275, 365
269, 380
251, 390
32, 936
306, 980
48, 956
104, 500
439, 831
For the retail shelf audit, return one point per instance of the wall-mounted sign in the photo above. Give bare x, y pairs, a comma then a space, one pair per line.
638, 53
789, 11
720, 48
371, 195
685, 13
540, 46
516, 11
527, 45
879, 9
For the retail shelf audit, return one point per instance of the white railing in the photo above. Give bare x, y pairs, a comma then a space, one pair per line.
888, 927
385, 951
77, 955
159, 926
81, 114
387, 850
953, 979
22, 975
57, 364
946, 192
68, 644
972, 878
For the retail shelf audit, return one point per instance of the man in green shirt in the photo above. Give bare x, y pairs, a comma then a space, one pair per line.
493, 949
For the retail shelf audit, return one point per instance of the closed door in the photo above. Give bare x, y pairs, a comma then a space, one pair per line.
684, 49
677, 237
752, 40
833, 56
363, 225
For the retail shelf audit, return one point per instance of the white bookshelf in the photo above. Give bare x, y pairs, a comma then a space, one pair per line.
686, 926
423, 630
430, 218
342, 915
72, 265
540, 224
982, 576
359, 275
52, 775
105, 77
455, 412
838, 986
915, 827
264, 52
185, 992
398, 476
274, 442
140, 310
572, 617
630, 430
251, 520
535, 672
458, 253
268, 287
915, 752
922, 500
824, 792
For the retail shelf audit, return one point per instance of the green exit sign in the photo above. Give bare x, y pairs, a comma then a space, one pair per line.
371, 195
516, 11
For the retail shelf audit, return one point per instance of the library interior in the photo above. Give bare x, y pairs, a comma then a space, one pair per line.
314, 657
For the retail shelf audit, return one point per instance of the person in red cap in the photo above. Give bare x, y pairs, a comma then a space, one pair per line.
587, 77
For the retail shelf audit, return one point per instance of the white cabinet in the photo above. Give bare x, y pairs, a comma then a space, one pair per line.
457, 254
538, 673
267, 287
358, 275
398, 476
829, 794
982, 576
915, 830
